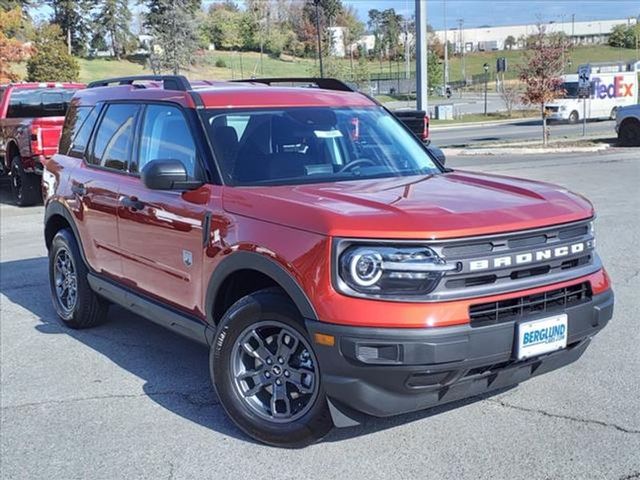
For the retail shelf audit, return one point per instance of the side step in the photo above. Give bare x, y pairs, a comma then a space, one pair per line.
184, 325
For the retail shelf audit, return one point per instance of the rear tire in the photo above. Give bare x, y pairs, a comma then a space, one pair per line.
574, 117
25, 187
76, 303
629, 134
266, 374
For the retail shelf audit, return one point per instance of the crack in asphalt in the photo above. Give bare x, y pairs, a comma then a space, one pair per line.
9, 288
565, 417
192, 398
631, 476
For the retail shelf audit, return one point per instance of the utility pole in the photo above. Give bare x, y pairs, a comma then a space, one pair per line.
462, 49
421, 56
317, 4
446, 49
407, 47
573, 28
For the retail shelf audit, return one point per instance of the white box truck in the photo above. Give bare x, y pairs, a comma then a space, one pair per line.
609, 91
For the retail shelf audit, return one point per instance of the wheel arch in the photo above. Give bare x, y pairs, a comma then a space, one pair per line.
266, 272
629, 121
11, 150
56, 218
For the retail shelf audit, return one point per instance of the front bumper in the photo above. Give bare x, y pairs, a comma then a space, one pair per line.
384, 371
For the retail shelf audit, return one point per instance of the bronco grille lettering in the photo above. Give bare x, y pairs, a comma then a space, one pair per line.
527, 257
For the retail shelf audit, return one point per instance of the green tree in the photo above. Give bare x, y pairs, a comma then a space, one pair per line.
223, 26
114, 18
51, 61
11, 49
74, 18
174, 28
623, 36
8, 5
435, 72
509, 42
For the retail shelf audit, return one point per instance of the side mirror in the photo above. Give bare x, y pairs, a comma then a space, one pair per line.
438, 153
167, 175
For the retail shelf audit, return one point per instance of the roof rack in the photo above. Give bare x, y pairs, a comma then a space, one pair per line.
324, 83
170, 82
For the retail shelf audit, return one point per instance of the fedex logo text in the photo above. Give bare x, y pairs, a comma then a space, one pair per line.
613, 90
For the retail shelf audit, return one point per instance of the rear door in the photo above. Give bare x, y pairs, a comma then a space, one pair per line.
96, 185
161, 232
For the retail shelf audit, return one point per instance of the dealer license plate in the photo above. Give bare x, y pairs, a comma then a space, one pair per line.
542, 336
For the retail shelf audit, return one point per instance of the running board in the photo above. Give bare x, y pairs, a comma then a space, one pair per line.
184, 325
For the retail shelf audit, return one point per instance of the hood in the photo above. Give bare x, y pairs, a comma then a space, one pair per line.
449, 205
558, 102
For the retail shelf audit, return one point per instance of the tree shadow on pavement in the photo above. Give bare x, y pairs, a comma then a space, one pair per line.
175, 370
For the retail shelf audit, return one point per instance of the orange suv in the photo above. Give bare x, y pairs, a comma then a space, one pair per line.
332, 264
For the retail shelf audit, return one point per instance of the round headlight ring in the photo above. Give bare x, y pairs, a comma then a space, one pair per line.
365, 268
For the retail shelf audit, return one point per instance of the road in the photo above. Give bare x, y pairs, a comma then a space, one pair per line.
463, 103
130, 400
449, 136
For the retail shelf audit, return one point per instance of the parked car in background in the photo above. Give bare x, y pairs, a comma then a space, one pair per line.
609, 92
333, 267
417, 121
628, 126
31, 117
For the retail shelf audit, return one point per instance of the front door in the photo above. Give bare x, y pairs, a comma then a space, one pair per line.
161, 232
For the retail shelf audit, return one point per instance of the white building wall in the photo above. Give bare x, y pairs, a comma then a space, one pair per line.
580, 32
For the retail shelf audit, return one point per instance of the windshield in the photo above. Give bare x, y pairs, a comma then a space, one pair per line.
291, 146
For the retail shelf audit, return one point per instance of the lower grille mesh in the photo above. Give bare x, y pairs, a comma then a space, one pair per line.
504, 310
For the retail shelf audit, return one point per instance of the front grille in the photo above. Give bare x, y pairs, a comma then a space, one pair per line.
505, 310
515, 261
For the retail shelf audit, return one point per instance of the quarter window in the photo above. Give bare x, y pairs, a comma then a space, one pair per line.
166, 136
73, 123
114, 137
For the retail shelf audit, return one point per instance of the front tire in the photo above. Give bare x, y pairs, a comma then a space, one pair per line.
266, 374
25, 187
76, 303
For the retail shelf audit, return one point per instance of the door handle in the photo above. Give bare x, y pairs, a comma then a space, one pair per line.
132, 203
79, 189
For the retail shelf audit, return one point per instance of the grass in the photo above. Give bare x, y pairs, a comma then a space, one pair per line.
494, 116
247, 64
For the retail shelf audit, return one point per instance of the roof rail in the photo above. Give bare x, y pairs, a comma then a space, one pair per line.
170, 82
324, 83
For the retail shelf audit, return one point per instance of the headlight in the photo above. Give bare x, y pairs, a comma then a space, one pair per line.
384, 271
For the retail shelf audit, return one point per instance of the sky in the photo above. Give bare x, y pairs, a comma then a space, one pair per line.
476, 13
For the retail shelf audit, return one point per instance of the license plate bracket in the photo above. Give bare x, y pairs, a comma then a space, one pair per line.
544, 335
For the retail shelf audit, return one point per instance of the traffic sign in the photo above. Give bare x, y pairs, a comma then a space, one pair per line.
584, 76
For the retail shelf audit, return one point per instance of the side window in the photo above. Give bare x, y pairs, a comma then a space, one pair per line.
81, 140
166, 136
74, 120
114, 137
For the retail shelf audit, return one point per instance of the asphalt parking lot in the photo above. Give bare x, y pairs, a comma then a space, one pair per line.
129, 400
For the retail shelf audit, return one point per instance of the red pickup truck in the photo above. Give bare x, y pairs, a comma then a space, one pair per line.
31, 118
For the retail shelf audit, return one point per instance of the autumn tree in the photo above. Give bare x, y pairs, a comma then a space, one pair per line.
11, 49
541, 72
51, 61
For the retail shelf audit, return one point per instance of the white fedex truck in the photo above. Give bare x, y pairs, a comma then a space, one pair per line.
609, 91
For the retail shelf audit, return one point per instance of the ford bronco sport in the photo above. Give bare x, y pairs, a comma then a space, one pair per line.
31, 117
332, 265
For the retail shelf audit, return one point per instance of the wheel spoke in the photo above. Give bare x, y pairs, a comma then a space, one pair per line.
261, 352
280, 398
302, 379
287, 345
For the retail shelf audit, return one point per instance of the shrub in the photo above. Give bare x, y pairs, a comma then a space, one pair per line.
52, 62
220, 63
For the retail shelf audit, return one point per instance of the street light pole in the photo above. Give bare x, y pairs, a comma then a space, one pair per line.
317, 4
486, 80
422, 87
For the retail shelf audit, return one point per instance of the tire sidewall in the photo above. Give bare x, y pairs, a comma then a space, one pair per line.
17, 170
65, 239
574, 117
254, 308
